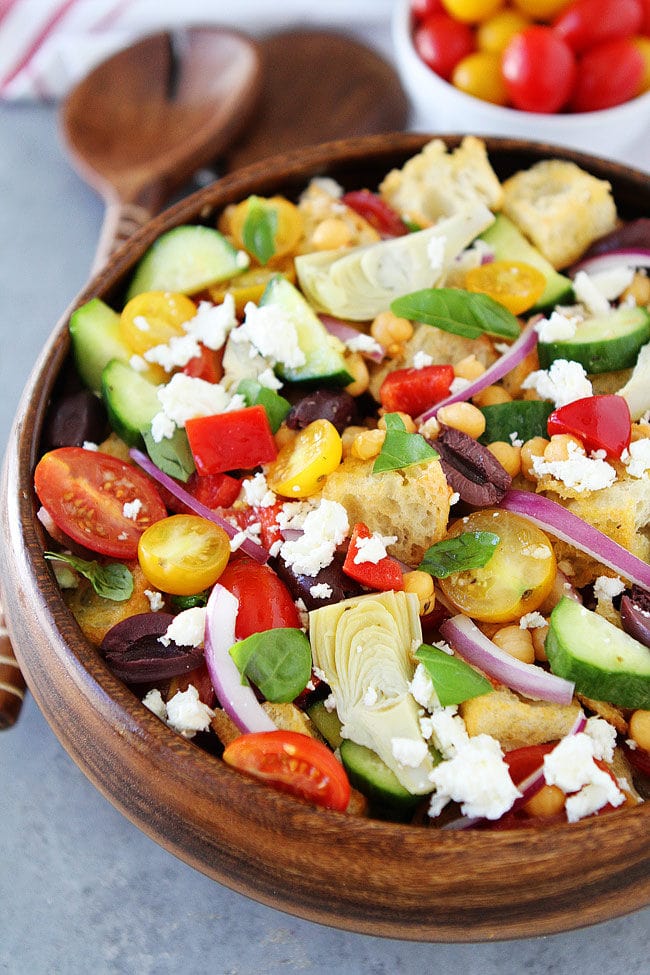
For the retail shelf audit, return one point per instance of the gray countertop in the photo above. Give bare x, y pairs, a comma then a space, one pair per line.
81, 889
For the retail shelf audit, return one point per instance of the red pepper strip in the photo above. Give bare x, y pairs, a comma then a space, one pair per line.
376, 211
266, 517
206, 365
383, 575
601, 422
413, 390
239, 440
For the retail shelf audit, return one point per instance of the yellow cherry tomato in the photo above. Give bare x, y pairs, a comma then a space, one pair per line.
542, 9
479, 74
494, 34
642, 44
153, 318
514, 284
516, 580
287, 219
472, 11
183, 554
304, 462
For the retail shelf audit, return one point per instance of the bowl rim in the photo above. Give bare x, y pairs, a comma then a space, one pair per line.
73, 677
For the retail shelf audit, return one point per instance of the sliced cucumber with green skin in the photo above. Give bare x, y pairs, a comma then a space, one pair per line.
327, 723
602, 344
520, 419
605, 663
324, 360
95, 335
371, 776
509, 244
187, 259
131, 401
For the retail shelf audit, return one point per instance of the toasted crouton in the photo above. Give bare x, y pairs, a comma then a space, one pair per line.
97, 615
515, 722
561, 208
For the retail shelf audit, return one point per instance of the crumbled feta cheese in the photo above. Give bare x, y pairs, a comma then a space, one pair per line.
187, 629
637, 460
186, 397
323, 529
454, 499
330, 703
155, 598
141, 323
531, 621
372, 549
422, 359
571, 767
515, 439
137, 363
593, 797
422, 689
89, 445
153, 700
256, 492
174, 354
578, 472
607, 588
458, 384
321, 591
131, 509
212, 323
269, 380
477, 777
187, 714
586, 291
409, 751
564, 382
272, 333
448, 731
610, 282
603, 738
364, 343
250, 533
557, 328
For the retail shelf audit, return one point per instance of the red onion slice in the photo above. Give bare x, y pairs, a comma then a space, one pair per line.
630, 257
341, 330
528, 679
237, 699
517, 351
556, 519
249, 547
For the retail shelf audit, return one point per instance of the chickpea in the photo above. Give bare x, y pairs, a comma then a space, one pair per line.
368, 444
430, 429
539, 640
348, 437
469, 368
331, 234
391, 332
515, 641
406, 420
639, 289
464, 417
534, 447
356, 366
492, 395
421, 584
639, 729
508, 456
561, 446
549, 801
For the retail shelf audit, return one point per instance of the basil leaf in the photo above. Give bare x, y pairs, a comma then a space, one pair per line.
471, 550
112, 581
401, 448
190, 602
172, 455
461, 312
454, 680
276, 406
277, 661
259, 230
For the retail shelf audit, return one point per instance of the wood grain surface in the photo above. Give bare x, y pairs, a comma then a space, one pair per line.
364, 875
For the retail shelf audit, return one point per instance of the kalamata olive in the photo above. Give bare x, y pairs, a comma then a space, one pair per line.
334, 405
134, 653
300, 586
635, 614
75, 419
631, 235
471, 470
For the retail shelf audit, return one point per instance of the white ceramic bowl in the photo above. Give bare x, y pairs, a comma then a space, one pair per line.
621, 133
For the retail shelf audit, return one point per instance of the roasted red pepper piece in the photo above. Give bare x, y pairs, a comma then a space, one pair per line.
383, 575
206, 365
239, 440
413, 390
376, 211
601, 422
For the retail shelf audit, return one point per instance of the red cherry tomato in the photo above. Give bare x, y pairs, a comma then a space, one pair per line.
425, 8
293, 763
608, 74
85, 491
523, 761
376, 211
250, 515
413, 390
206, 365
645, 17
442, 41
586, 23
600, 422
539, 70
639, 758
264, 601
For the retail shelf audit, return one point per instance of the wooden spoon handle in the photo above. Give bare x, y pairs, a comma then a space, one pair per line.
121, 220
12, 682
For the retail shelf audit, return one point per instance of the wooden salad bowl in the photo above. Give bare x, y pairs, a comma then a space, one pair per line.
364, 875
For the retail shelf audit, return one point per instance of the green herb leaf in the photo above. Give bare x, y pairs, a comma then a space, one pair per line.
453, 679
471, 550
276, 406
277, 661
259, 230
190, 602
461, 312
112, 581
401, 448
172, 455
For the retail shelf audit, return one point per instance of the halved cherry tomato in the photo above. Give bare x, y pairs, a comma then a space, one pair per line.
183, 554
238, 440
539, 69
153, 318
585, 23
608, 74
413, 390
304, 462
514, 284
382, 576
250, 284
293, 763
85, 491
442, 41
265, 517
376, 211
515, 581
264, 601
289, 224
523, 761
601, 422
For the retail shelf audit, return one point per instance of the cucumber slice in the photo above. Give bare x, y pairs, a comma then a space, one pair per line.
371, 776
602, 344
524, 418
327, 723
187, 259
324, 362
509, 244
605, 663
131, 401
95, 335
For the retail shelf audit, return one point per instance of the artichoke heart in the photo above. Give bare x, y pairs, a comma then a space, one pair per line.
360, 283
364, 646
